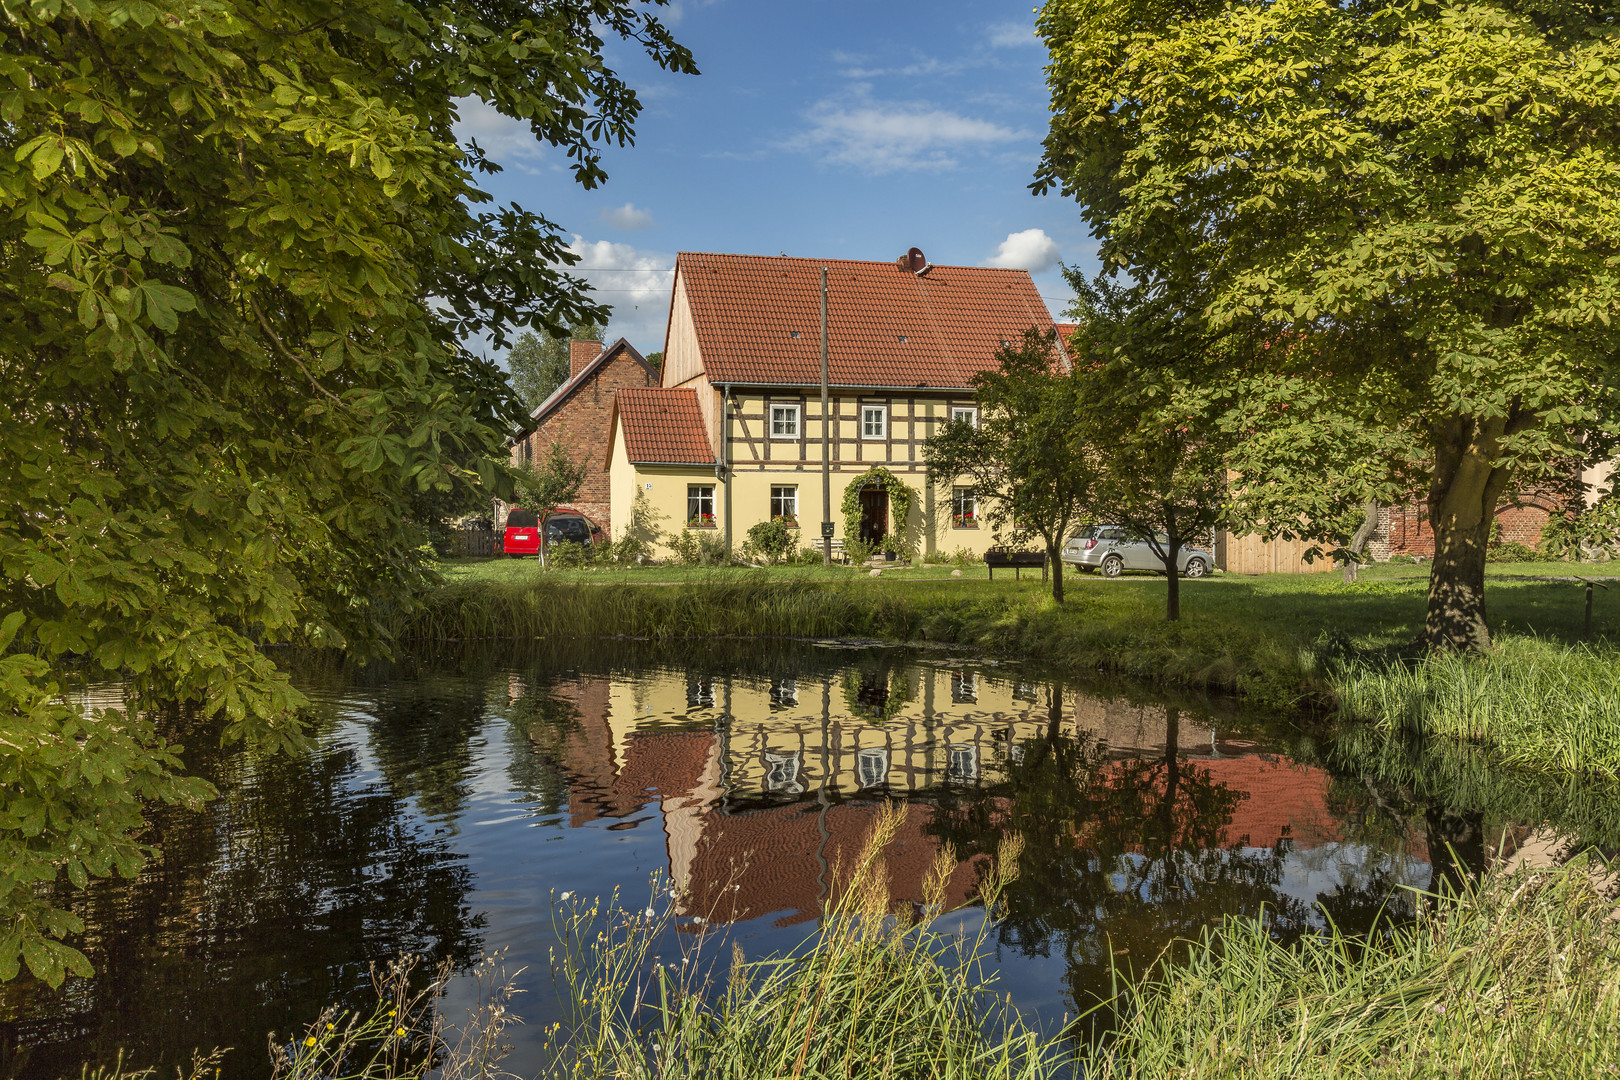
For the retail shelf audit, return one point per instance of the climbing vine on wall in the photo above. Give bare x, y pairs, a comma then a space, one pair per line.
900, 497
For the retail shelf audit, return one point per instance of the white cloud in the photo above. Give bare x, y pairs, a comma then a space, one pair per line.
887, 136
1011, 35
1030, 250
509, 142
633, 281
628, 217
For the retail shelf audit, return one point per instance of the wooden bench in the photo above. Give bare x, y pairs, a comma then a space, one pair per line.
1018, 560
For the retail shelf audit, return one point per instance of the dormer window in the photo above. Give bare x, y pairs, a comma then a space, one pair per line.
795, 333
901, 338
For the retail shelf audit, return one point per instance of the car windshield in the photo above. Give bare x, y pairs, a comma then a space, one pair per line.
571, 529
522, 519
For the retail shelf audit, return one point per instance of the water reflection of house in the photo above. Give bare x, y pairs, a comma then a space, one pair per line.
764, 786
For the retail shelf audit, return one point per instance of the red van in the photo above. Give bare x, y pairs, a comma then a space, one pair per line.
523, 530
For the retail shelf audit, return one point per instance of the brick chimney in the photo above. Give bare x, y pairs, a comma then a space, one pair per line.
581, 353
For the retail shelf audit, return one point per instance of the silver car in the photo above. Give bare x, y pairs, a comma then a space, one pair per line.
1114, 550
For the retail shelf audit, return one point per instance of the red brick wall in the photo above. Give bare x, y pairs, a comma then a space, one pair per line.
1407, 531
580, 424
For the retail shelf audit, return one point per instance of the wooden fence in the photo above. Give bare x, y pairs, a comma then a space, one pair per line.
475, 542
1252, 555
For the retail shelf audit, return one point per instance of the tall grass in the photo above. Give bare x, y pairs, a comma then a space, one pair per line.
872, 994
1540, 704
1120, 632
1519, 977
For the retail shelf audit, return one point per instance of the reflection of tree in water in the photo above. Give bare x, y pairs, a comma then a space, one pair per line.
267, 905
1121, 857
539, 724
877, 692
423, 738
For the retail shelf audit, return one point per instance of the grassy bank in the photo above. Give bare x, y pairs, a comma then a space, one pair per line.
1545, 699
1519, 978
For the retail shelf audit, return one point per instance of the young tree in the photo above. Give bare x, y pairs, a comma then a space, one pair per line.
1148, 420
1028, 462
545, 487
1409, 212
539, 364
240, 246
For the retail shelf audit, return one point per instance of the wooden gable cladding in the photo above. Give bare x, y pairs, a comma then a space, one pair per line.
910, 419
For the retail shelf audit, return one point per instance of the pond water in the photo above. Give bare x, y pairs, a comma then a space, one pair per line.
448, 799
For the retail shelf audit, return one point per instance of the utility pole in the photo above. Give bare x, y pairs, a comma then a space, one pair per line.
826, 440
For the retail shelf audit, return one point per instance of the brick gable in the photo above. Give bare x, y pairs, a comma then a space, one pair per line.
579, 416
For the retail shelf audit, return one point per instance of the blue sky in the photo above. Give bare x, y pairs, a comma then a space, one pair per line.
822, 130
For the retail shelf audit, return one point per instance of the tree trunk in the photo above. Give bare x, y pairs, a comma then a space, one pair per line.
1462, 507
1052, 551
1172, 595
1358, 542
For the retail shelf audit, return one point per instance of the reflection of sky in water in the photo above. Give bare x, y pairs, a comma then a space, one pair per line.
535, 782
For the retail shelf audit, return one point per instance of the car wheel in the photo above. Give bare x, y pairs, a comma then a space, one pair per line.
1196, 567
514, 555
1113, 566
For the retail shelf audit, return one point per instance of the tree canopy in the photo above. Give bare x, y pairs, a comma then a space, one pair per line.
1030, 464
241, 245
1406, 216
540, 363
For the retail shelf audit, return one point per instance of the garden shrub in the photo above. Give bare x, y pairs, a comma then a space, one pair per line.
773, 539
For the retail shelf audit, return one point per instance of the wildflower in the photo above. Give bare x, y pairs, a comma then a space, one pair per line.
399, 1031
310, 1041
564, 895
649, 913
697, 920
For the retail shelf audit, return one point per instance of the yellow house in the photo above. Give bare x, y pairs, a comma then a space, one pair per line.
734, 435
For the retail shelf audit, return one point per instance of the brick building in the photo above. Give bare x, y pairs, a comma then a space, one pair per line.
579, 414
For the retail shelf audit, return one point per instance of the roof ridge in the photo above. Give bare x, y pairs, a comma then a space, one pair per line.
886, 263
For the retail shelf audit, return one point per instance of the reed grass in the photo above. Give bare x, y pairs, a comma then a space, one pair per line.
1540, 704
873, 994
1517, 977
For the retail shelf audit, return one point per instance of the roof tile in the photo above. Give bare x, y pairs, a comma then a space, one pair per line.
758, 320
663, 427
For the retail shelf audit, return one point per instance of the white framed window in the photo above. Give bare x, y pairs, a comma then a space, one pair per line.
785, 503
784, 693
874, 422
700, 693
782, 773
784, 421
872, 767
967, 414
964, 687
964, 762
700, 506
964, 508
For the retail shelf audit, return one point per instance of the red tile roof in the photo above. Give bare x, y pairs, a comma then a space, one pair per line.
663, 427
887, 327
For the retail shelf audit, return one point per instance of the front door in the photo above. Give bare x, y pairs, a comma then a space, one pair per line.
874, 514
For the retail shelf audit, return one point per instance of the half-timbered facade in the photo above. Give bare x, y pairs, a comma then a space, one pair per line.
744, 341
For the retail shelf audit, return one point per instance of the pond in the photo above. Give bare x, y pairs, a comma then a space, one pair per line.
448, 799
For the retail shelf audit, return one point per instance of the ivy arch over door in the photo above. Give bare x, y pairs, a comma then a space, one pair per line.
900, 500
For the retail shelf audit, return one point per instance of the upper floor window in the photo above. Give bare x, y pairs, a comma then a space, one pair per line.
784, 421
700, 506
967, 414
874, 422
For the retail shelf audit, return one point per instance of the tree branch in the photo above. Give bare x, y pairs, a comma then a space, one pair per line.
275, 340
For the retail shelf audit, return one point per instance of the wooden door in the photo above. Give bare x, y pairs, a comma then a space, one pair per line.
874, 514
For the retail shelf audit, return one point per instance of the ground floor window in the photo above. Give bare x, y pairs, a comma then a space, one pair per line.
964, 762
785, 503
872, 766
964, 508
700, 506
